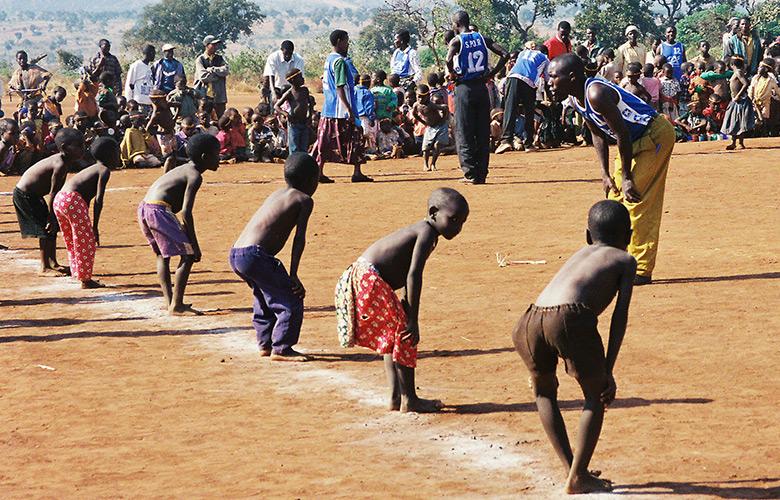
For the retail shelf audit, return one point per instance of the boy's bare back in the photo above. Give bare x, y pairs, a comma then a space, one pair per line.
592, 276
273, 222
87, 181
38, 179
392, 255
172, 186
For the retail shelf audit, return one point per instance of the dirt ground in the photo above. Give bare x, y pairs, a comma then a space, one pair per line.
101, 394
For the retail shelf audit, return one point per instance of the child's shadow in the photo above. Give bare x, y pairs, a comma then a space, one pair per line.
656, 488
575, 404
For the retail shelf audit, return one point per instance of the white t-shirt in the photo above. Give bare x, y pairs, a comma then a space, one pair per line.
277, 67
140, 76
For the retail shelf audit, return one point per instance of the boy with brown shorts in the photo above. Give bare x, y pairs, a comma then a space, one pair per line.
563, 323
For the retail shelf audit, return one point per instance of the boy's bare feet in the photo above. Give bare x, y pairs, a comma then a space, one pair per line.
419, 405
63, 270
290, 355
184, 310
265, 352
587, 484
91, 284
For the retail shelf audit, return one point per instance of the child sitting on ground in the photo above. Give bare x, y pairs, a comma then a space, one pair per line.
161, 121
435, 116
714, 114
278, 296
368, 311
71, 206
298, 112
186, 131
175, 192
205, 125
562, 323
45, 178
631, 83
134, 148
232, 137
388, 141
260, 140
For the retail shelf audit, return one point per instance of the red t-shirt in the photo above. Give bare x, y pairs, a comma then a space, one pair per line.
555, 47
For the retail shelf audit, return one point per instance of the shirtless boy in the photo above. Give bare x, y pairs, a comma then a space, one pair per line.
435, 116
278, 296
9, 136
175, 192
562, 323
71, 206
631, 83
162, 119
36, 215
368, 311
298, 114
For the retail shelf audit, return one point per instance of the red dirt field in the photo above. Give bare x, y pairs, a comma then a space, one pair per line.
103, 395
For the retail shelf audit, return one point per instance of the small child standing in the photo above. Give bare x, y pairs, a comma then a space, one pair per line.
278, 296
435, 116
740, 116
562, 322
368, 311
631, 83
182, 99
175, 192
670, 91
52, 105
366, 111
298, 112
232, 137
108, 106
45, 178
162, 120
651, 84
71, 205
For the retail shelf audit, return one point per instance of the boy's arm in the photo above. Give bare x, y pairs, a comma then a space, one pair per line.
57, 180
97, 208
417, 116
151, 122
186, 211
617, 329
601, 146
278, 104
422, 250
299, 243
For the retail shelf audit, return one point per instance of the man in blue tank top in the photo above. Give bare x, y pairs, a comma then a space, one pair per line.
645, 141
339, 138
673, 51
467, 65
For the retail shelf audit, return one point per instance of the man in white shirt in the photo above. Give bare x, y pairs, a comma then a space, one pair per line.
139, 81
278, 64
630, 52
404, 61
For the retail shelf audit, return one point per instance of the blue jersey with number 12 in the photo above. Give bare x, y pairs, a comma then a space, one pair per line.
473, 57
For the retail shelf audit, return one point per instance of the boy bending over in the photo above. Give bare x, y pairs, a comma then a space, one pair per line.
175, 192
71, 206
563, 323
368, 311
278, 296
36, 214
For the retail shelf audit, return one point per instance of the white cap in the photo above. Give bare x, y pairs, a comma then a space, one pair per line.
168, 46
631, 28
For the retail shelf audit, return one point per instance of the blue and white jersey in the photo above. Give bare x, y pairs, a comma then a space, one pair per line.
530, 67
333, 107
471, 62
637, 114
400, 63
674, 55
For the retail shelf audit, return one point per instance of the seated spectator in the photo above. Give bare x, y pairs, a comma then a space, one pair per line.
261, 140
135, 148
205, 125
714, 114
232, 137
388, 141
187, 130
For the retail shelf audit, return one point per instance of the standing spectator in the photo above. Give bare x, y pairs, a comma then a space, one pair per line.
732, 27
673, 51
703, 57
29, 80
592, 44
211, 71
746, 44
561, 43
630, 52
277, 66
404, 61
608, 65
467, 64
763, 89
106, 62
524, 77
139, 80
168, 70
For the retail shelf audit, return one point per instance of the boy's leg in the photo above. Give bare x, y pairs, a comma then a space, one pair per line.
580, 480
263, 320
82, 255
394, 383
177, 306
409, 400
436, 151
426, 158
49, 256
546, 390
164, 275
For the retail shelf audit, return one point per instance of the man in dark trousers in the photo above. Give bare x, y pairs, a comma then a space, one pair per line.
467, 64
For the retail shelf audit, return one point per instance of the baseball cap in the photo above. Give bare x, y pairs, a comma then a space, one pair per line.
631, 28
168, 46
211, 39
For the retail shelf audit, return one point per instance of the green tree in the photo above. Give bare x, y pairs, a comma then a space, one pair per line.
704, 25
186, 23
609, 19
767, 18
429, 17
373, 47
509, 22
68, 60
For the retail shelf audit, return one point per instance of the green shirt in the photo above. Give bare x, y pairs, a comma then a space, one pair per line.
385, 101
340, 72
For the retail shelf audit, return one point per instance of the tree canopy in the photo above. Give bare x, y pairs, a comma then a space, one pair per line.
186, 23
509, 22
609, 19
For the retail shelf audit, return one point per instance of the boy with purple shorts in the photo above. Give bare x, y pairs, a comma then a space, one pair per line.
278, 296
172, 193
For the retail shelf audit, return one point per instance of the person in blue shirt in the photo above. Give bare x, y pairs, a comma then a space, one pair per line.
673, 51
168, 70
468, 67
366, 110
645, 141
405, 63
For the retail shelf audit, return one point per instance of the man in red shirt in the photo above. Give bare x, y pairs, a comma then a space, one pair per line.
561, 42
